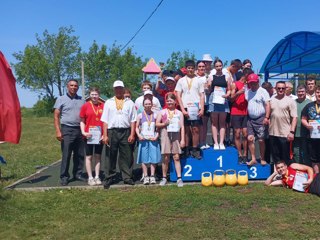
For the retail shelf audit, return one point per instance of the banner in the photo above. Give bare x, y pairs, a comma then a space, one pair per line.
10, 114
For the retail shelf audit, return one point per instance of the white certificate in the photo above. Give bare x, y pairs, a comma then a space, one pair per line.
315, 131
174, 125
95, 135
193, 111
299, 180
148, 131
217, 95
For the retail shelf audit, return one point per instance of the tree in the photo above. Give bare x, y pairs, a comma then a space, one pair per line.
103, 66
46, 66
177, 59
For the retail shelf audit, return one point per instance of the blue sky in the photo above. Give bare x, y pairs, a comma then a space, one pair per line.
227, 29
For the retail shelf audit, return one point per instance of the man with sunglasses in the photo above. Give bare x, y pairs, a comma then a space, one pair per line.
283, 121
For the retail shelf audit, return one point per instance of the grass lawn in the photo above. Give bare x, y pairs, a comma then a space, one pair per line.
191, 212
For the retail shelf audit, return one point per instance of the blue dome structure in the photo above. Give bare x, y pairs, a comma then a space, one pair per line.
297, 53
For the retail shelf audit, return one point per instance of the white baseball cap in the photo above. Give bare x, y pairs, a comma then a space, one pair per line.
118, 83
148, 92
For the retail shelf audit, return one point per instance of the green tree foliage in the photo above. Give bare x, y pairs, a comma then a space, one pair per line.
177, 59
102, 66
45, 66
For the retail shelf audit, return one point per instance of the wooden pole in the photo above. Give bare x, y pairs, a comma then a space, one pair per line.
82, 76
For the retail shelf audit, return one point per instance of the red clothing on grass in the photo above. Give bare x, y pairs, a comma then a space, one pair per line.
288, 179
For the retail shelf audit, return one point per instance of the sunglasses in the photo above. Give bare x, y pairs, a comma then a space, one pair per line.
281, 88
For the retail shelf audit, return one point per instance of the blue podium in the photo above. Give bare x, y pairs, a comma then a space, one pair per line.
217, 159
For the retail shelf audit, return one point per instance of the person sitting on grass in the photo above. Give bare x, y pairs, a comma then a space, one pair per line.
287, 176
149, 147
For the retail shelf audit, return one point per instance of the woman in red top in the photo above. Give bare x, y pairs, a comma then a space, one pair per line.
91, 128
285, 176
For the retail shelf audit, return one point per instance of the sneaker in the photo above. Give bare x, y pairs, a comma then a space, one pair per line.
179, 182
64, 181
98, 181
142, 178
240, 160
222, 147
91, 182
203, 147
163, 182
244, 159
196, 154
207, 146
152, 180
216, 147
146, 181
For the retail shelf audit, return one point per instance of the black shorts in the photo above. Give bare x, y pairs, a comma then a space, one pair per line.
97, 149
239, 121
192, 123
314, 150
315, 185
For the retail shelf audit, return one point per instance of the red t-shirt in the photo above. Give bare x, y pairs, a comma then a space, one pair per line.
92, 114
288, 179
240, 105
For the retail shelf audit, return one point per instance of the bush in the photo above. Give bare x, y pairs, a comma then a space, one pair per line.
44, 107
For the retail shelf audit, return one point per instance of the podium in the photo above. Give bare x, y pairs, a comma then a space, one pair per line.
217, 159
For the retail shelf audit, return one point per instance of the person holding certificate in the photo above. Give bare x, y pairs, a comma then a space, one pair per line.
170, 121
310, 119
91, 129
296, 176
149, 147
218, 104
190, 96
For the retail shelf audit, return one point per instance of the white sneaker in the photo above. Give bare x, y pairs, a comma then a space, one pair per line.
146, 181
207, 146
163, 182
91, 182
152, 180
203, 147
216, 147
179, 182
98, 181
142, 178
222, 147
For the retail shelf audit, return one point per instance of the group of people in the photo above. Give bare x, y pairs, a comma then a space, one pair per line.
172, 120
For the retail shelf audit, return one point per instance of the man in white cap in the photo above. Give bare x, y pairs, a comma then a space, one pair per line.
207, 59
119, 119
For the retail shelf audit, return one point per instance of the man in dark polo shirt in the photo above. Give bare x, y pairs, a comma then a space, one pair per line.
68, 132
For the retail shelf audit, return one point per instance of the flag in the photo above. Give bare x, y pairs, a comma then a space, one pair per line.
10, 114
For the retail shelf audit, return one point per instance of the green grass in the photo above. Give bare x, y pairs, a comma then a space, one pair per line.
191, 212
38, 147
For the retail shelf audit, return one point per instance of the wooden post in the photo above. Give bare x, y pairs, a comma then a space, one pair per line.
82, 77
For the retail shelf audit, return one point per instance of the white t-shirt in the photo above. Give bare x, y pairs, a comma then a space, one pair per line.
203, 80
256, 102
156, 106
191, 96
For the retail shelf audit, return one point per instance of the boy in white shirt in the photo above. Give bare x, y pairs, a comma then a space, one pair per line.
190, 96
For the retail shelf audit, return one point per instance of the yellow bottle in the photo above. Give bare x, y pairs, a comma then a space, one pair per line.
206, 179
243, 178
231, 177
219, 178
